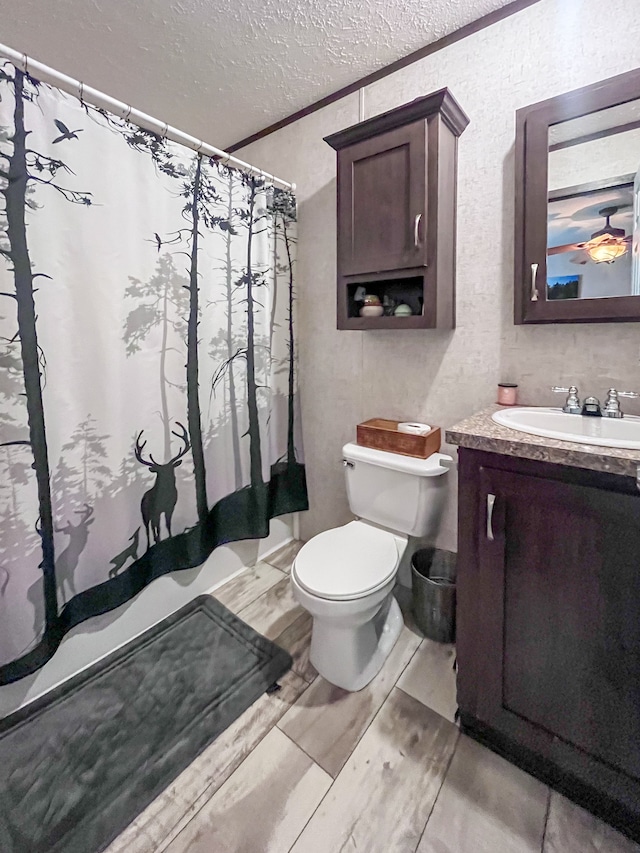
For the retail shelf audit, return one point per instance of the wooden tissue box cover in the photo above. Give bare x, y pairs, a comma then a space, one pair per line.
382, 434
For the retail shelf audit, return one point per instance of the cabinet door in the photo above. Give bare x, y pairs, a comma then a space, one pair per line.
382, 206
559, 566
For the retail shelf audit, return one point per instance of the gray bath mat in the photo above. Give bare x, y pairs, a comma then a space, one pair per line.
80, 764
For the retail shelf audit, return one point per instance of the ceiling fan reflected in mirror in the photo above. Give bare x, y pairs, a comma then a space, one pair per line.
605, 246
609, 243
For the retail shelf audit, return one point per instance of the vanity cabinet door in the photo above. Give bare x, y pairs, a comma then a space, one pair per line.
382, 202
558, 618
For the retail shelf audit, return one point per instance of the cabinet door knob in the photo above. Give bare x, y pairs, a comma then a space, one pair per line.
416, 230
534, 275
491, 501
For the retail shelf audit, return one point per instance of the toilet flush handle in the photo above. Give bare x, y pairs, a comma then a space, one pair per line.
348, 463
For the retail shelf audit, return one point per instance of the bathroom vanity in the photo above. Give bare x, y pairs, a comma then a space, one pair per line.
548, 635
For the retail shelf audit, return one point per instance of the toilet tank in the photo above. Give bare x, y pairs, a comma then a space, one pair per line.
401, 493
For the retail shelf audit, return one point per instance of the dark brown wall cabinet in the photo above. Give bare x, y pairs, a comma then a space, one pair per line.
548, 626
396, 213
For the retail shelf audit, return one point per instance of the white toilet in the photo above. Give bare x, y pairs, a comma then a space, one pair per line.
345, 577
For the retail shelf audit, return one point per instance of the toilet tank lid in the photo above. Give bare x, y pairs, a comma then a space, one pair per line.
429, 467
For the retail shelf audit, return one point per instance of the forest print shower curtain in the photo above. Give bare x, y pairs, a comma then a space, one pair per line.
148, 402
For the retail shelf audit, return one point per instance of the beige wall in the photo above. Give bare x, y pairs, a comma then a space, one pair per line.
435, 376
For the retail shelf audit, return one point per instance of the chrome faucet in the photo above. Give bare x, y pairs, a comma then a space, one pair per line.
612, 405
572, 403
591, 405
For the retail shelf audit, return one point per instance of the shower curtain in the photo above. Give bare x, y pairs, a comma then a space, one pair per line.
148, 399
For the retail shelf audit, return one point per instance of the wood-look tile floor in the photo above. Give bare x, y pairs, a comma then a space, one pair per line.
314, 769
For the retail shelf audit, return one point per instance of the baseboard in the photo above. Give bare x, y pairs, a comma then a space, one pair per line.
264, 558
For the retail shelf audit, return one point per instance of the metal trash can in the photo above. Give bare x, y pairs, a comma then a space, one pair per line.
433, 583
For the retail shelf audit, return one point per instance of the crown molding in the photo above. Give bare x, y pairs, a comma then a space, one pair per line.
428, 50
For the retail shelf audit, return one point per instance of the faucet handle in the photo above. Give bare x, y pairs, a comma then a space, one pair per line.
572, 403
612, 405
560, 389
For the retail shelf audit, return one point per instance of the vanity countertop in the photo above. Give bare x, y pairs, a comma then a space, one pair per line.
480, 432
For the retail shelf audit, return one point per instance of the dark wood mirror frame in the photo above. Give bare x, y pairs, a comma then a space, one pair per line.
531, 200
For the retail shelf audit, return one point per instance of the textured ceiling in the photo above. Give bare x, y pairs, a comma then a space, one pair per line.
223, 69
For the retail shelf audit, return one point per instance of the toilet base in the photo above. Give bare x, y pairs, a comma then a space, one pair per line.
350, 657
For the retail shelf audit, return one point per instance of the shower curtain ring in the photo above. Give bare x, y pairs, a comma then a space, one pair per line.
25, 62
200, 146
165, 128
81, 92
127, 115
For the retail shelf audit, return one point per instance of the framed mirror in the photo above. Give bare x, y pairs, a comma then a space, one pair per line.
577, 217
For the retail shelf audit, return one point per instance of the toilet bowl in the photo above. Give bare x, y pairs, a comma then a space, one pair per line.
344, 578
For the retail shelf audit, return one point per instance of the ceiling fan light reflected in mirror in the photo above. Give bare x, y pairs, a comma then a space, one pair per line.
607, 252
608, 244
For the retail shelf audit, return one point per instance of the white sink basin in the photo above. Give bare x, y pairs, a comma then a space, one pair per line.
554, 423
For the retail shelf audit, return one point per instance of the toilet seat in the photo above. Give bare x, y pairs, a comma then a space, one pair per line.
347, 562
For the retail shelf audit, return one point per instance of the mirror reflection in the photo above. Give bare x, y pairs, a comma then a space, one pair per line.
593, 213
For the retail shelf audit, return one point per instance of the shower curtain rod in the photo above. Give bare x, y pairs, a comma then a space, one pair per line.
99, 99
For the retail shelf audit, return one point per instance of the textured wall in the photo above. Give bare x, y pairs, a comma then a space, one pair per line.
591, 161
225, 69
436, 376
